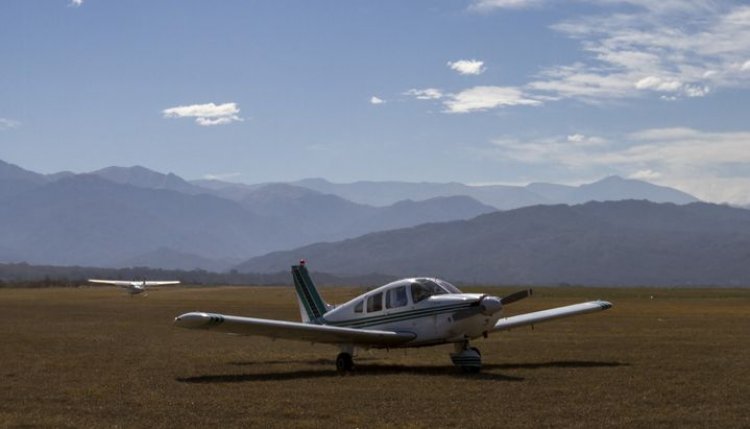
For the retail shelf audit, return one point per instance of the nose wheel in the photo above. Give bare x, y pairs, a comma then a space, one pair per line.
467, 358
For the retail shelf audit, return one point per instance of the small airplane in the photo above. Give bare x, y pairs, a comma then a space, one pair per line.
134, 287
413, 312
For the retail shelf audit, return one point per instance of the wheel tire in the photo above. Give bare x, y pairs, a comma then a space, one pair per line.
476, 350
344, 363
470, 369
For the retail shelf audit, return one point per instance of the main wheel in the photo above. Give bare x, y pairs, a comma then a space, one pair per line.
471, 369
344, 363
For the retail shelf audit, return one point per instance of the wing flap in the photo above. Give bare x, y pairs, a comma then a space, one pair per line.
511, 322
291, 330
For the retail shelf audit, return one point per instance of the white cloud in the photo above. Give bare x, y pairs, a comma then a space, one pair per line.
467, 67
670, 49
7, 124
75, 3
714, 166
696, 91
658, 84
425, 94
647, 175
206, 114
582, 140
578, 81
549, 150
684, 48
480, 98
221, 176
488, 5
376, 100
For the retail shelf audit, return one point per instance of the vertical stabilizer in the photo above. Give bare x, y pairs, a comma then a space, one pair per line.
311, 305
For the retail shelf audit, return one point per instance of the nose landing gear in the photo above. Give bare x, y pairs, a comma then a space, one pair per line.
469, 359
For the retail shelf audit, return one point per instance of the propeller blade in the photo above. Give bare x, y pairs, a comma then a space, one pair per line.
515, 296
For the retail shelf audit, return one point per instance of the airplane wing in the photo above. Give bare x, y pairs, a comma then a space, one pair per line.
511, 322
162, 282
291, 330
123, 283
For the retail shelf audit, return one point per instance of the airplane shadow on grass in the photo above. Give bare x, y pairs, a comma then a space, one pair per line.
375, 369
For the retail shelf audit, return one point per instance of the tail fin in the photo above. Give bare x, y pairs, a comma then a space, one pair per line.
311, 305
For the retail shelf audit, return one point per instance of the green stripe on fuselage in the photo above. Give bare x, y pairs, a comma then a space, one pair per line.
397, 317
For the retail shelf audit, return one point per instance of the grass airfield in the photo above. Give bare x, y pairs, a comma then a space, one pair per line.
95, 357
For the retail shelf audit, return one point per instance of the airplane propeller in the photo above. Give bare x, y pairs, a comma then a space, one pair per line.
515, 296
489, 305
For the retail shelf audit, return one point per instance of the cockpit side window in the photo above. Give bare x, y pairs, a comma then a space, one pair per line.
396, 297
375, 302
358, 308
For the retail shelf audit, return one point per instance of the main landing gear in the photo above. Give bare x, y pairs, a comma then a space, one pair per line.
344, 363
468, 358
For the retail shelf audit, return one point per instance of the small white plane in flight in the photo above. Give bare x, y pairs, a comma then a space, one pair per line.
414, 312
134, 287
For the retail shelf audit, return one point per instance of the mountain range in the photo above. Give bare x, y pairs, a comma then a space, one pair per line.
133, 216
598, 243
123, 216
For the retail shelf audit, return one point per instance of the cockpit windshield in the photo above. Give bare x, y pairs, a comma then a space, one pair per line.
424, 288
448, 286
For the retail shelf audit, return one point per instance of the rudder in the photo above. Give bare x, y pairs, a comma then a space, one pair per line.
311, 305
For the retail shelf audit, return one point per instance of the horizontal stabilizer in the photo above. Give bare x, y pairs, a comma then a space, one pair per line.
553, 313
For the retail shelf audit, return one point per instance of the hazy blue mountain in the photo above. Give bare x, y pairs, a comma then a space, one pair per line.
501, 196
15, 180
326, 217
88, 220
615, 188
232, 191
387, 193
120, 216
144, 178
439, 209
598, 243
551, 192
60, 175
171, 259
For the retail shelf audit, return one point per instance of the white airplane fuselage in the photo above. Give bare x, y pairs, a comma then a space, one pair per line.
432, 320
135, 289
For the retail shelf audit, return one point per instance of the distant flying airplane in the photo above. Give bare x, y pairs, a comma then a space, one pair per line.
414, 312
134, 287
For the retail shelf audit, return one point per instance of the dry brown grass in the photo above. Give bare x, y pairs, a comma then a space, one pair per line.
94, 357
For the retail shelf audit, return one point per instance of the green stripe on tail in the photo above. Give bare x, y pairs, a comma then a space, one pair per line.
312, 306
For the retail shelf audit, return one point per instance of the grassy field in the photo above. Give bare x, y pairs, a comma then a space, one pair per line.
95, 357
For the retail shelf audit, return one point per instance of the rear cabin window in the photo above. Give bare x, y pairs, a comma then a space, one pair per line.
359, 307
396, 297
375, 302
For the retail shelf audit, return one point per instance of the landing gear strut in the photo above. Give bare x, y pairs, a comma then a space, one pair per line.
469, 359
344, 363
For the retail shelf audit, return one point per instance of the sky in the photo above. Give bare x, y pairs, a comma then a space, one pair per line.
474, 91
